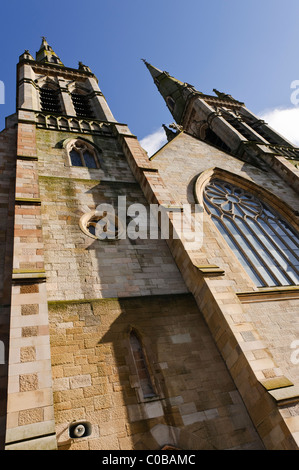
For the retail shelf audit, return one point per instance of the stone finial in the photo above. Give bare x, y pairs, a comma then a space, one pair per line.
81, 66
222, 95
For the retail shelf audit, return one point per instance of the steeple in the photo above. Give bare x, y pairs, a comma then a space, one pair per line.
175, 93
46, 53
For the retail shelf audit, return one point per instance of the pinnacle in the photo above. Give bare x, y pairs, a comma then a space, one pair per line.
46, 53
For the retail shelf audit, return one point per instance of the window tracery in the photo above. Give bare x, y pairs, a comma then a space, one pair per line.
102, 224
265, 244
82, 154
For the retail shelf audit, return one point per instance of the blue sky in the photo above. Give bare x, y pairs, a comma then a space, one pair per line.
245, 48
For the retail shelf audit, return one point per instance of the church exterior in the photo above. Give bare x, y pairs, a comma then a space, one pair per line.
137, 340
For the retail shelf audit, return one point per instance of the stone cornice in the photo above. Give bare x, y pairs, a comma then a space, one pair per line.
47, 68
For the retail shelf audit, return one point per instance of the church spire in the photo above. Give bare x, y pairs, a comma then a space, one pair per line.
46, 53
155, 73
175, 93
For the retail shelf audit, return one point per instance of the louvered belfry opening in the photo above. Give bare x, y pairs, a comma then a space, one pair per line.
82, 105
50, 100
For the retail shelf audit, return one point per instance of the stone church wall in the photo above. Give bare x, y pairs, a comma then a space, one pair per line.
197, 405
7, 193
261, 320
277, 323
97, 292
80, 267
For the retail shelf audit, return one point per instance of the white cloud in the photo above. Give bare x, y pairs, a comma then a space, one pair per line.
153, 142
285, 122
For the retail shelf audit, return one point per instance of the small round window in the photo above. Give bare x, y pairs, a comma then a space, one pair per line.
102, 225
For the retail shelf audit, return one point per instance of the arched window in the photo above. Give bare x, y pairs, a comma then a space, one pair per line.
141, 367
83, 154
49, 100
82, 105
264, 243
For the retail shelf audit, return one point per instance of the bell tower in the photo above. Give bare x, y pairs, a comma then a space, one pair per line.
71, 155
46, 85
61, 112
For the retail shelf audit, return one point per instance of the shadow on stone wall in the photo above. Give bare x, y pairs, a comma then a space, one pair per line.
197, 406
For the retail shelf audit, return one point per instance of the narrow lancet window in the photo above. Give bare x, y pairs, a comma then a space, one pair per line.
75, 158
141, 366
265, 244
89, 159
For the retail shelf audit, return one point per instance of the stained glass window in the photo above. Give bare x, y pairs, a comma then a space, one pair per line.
265, 244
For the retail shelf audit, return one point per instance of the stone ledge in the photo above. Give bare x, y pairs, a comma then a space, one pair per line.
29, 431
27, 157
285, 395
41, 443
27, 200
274, 293
28, 275
210, 270
113, 299
276, 383
148, 168
123, 130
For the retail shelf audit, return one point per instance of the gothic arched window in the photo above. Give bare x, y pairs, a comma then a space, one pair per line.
83, 154
141, 367
264, 243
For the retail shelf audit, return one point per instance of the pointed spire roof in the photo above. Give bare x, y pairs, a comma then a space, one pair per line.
46, 53
155, 73
175, 93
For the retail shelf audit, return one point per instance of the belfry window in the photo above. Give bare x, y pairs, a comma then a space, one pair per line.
213, 139
170, 102
83, 154
265, 244
49, 99
82, 105
141, 366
